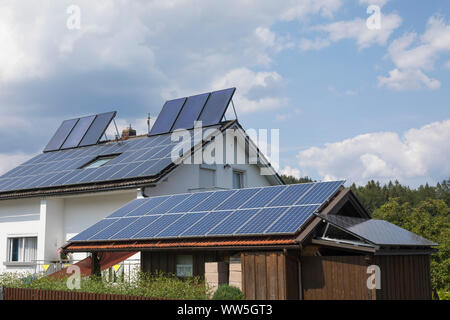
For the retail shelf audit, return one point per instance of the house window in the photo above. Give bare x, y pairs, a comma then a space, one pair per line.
98, 162
22, 249
207, 178
184, 265
238, 179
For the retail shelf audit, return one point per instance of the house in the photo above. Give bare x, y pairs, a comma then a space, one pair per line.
79, 179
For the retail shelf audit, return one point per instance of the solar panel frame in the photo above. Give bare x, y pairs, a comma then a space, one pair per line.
157, 226
114, 228
206, 224
61, 135
77, 134
168, 116
97, 128
92, 230
261, 221
180, 225
291, 194
190, 112
216, 106
292, 219
233, 222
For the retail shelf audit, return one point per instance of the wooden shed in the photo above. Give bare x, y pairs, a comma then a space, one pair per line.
339, 252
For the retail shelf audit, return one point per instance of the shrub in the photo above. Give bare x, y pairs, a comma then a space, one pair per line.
158, 285
226, 292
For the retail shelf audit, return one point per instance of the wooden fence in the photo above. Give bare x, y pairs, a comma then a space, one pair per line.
35, 294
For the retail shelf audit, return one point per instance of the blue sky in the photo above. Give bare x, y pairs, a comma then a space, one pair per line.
350, 102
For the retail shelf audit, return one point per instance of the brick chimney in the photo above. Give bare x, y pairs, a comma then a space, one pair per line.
128, 132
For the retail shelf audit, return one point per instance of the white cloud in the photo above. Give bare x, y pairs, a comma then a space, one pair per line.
288, 171
257, 90
10, 161
354, 29
412, 55
408, 80
419, 154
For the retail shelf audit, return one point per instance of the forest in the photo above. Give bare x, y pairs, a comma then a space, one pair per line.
423, 210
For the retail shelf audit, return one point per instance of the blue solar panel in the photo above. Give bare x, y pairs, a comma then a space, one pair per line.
208, 222
290, 195
293, 219
168, 204
179, 226
231, 224
237, 199
89, 232
147, 206
113, 229
188, 204
190, 112
263, 197
77, 134
135, 227
167, 116
129, 207
213, 201
156, 227
216, 106
262, 220
320, 192
61, 135
97, 129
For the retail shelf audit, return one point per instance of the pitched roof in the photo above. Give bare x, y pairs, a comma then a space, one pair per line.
233, 215
138, 162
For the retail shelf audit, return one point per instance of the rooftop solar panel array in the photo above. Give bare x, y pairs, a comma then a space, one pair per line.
184, 112
253, 211
80, 132
135, 158
378, 232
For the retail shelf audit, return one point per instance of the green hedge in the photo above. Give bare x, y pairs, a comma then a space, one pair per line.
226, 292
141, 284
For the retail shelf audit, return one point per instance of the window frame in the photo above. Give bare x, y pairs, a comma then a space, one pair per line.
241, 178
21, 249
190, 265
109, 157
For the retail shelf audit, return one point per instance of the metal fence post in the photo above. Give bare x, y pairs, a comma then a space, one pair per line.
2, 293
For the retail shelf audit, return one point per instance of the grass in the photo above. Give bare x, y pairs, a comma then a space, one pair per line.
159, 285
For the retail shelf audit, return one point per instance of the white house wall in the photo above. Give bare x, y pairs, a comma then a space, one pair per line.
18, 218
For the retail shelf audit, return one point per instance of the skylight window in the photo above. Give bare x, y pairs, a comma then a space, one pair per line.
99, 161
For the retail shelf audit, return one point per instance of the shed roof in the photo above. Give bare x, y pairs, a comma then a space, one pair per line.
377, 232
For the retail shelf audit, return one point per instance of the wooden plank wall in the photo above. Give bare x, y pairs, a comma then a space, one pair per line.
335, 278
269, 275
345, 277
404, 277
166, 262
